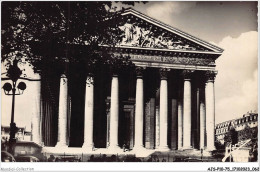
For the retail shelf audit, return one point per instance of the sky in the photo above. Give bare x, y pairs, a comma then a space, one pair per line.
229, 25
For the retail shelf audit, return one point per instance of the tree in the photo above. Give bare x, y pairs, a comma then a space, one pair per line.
60, 32
231, 136
219, 145
246, 133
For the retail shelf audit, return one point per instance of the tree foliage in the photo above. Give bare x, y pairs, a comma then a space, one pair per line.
60, 32
231, 136
247, 133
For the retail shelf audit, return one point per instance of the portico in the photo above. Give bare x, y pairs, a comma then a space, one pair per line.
166, 101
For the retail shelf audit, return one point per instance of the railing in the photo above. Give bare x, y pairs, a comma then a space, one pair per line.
231, 149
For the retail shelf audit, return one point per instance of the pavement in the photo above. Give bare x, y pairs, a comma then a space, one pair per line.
143, 154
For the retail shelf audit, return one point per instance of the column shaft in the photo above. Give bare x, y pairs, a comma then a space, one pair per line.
180, 126
187, 114
163, 115
139, 114
157, 128
202, 125
36, 114
89, 112
210, 115
114, 112
63, 105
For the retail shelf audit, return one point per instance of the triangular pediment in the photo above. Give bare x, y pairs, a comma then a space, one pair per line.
141, 31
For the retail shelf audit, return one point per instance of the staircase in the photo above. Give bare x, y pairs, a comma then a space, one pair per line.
230, 150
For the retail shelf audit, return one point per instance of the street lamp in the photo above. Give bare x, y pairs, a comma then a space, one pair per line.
12, 89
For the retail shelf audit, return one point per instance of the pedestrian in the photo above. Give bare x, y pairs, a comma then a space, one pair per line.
124, 147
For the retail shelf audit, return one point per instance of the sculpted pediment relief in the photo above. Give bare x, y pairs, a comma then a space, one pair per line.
142, 31
138, 36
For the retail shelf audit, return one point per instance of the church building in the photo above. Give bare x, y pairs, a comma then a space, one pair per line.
165, 102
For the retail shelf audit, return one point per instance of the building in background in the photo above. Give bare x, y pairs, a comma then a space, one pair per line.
248, 121
21, 135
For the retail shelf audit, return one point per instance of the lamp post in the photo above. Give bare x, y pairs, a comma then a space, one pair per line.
13, 73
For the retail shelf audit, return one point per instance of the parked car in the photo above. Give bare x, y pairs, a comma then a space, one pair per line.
7, 157
27, 159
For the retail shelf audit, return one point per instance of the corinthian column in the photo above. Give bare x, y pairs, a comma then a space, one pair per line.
187, 110
139, 110
36, 114
163, 111
210, 110
114, 112
89, 112
62, 119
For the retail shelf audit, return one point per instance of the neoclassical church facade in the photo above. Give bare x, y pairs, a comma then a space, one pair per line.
166, 102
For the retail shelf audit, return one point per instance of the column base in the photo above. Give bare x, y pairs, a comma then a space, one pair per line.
88, 147
207, 153
139, 149
202, 148
39, 143
114, 148
61, 145
210, 149
163, 148
156, 147
187, 148
180, 148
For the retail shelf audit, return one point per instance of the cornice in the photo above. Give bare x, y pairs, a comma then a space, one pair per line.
155, 50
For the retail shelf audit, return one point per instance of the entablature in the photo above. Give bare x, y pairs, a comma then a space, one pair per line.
167, 58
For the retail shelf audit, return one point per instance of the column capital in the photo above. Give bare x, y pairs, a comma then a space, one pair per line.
210, 76
89, 80
139, 71
187, 74
164, 73
63, 75
114, 75
63, 79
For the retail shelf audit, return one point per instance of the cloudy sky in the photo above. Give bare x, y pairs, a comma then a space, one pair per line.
230, 25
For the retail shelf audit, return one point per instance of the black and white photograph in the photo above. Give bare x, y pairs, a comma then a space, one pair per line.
171, 85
